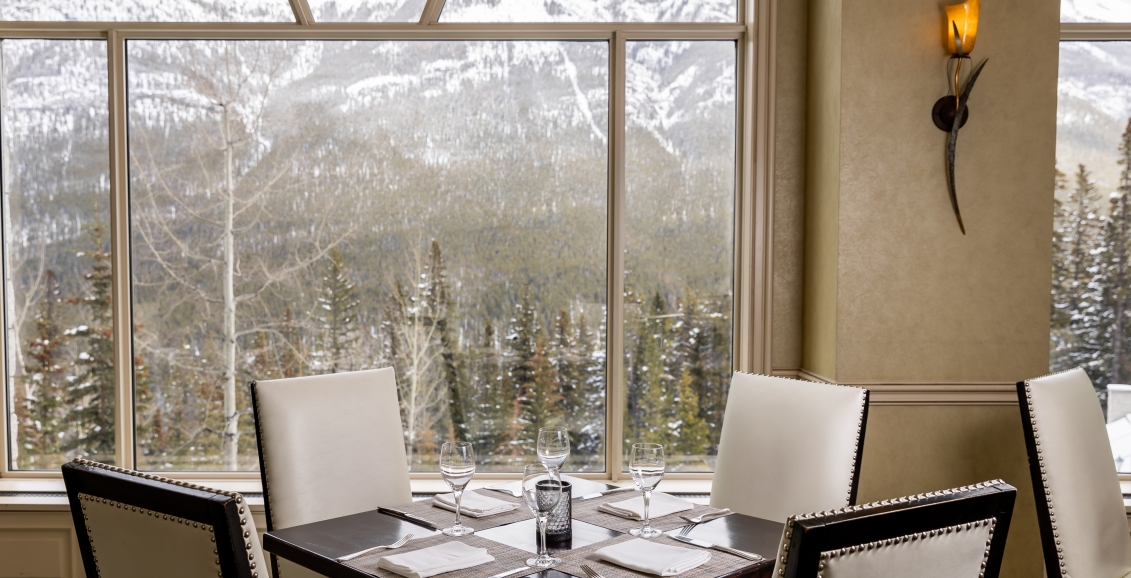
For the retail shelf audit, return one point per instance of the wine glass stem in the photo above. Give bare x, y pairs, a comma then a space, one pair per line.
543, 521
459, 496
647, 499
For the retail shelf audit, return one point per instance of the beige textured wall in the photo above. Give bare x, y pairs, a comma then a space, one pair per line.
822, 178
917, 300
893, 292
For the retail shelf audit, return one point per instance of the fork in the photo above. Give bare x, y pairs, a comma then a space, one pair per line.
396, 544
590, 572
709, 516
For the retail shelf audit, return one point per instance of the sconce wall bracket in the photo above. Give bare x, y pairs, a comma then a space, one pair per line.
944, 112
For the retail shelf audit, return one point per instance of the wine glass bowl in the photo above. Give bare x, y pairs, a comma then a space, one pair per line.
541, 490
646, 466
457, 466
553, 447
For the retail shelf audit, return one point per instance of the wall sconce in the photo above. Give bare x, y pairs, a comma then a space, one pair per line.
950, 112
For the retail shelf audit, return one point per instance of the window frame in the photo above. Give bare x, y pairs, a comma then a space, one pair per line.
754, 35
1097, 32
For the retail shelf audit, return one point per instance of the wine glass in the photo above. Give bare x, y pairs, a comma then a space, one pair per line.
646, 465
553, 447
457, 465
541, 490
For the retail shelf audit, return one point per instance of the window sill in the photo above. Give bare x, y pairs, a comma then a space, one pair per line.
49, 494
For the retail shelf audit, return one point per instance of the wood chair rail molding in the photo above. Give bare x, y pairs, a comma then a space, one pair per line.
923, 392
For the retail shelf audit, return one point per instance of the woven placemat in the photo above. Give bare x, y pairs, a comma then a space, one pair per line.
586, 511
720, 563
445, 518
506, 558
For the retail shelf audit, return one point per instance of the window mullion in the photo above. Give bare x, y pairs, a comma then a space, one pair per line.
614, 359
303, 15
120, 251
431, 12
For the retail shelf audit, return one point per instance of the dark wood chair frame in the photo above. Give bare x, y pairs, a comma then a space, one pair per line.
263, 471
859, 449
813, 534
221, 511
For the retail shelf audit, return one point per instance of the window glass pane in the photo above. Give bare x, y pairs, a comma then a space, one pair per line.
434, 206
1095, 11
1091, 287
367, 10
589, 11
679, 246
148, 10
53, 149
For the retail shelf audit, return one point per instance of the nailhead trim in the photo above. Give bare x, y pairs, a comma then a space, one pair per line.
1041, 467
849, 550
783, 552
234, 495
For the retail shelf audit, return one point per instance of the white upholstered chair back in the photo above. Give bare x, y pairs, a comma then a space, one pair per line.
134, 525
788, 446
957, 533
1079, 503
329, 446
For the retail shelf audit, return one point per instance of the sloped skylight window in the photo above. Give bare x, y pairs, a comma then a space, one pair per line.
1095, 11
367, 10
147, 10
590, 11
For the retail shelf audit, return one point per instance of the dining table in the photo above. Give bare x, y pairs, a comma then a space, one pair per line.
318, 545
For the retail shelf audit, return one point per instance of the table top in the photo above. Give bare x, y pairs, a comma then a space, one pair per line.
317, 545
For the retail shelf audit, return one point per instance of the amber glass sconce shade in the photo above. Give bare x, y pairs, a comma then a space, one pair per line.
962, 20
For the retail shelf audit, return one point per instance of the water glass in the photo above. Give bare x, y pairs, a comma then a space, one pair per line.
541, 490
553, 447
646, 466
559, 526
457, 466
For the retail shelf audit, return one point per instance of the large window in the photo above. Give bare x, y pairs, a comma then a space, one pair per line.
1091, 284
299, 202
58, 322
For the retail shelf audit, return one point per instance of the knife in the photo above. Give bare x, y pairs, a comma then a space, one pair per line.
509, 572
504, 489
606, 492
408, 518
705, 544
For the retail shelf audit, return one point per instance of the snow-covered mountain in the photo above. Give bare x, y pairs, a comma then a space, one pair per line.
1094, 107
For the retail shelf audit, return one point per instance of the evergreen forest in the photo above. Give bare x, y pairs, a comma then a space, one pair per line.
1091, 275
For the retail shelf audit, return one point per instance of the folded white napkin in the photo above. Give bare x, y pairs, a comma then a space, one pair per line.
454, 555
660, 505
473, 504
652, 558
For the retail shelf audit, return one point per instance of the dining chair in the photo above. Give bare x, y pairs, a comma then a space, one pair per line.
958, 532
1079, 503
131, 524
789, 446
329, 446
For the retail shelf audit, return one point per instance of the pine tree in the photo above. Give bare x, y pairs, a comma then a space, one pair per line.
492, 402
690, 429
1111, 285
1076, 236
650, 400
42, 422
440, 305
540, 399
337, 309
91, 397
